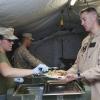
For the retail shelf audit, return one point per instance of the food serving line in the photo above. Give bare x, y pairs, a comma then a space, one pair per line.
45, 87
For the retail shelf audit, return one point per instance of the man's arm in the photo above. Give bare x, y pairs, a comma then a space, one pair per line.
74, 67
72, 73
7, 71
30, 58
94, 72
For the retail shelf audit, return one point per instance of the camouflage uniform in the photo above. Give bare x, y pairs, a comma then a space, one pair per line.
88, 62
24, 59
5, 83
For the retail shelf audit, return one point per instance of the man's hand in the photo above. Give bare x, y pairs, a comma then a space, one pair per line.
70, 77
40, 69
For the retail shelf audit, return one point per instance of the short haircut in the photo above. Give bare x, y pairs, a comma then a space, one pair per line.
1, 37
22, 39
88, 10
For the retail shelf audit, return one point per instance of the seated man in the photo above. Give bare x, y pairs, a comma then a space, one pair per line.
22, 58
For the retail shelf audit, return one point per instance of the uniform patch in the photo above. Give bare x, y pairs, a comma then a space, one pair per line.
92, 44
84, 49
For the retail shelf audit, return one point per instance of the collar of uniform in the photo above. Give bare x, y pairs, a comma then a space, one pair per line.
93, 38
96, 34
23, 46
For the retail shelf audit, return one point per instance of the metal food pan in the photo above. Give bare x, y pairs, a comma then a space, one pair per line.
72, 88
26, 92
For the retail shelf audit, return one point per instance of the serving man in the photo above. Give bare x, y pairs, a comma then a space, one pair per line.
22, 57
88, 58
6, 42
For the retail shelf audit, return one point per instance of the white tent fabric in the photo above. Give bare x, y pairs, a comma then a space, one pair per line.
39, 16
29, 14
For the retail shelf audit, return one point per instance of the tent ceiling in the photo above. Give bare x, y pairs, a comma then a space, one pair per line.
40, 17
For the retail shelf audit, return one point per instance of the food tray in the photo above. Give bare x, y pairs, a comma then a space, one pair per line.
56, 88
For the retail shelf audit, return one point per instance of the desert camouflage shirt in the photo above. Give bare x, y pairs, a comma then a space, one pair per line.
22, 58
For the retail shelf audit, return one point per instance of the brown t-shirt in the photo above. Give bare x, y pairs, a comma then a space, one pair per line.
5, 83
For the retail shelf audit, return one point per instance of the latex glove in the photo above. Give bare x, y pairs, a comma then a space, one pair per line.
43, 67
40, 69
19, 80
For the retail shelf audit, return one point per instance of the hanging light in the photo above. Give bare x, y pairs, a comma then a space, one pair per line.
62, 21
73, 2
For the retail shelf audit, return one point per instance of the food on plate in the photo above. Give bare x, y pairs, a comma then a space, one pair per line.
56, 73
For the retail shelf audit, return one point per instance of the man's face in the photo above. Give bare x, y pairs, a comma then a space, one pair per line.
6, 44
87, 21
29, 42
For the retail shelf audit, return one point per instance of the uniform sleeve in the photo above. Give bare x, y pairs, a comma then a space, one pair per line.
74, 67
94, 72
30, 58
3, 58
